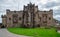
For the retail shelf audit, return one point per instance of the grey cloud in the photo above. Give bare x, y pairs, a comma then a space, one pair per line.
58, 18
57, 12
51, 4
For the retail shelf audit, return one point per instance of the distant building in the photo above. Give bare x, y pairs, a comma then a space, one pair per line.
30, 17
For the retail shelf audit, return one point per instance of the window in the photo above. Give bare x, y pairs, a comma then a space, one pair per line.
49, 18
9, 18
44, 15
15, 18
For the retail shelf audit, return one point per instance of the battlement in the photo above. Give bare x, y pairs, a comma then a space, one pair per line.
29, 17
45, 10
3, 16
7, 10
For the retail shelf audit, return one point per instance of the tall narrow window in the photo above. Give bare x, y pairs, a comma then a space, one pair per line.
49, 18
9, 18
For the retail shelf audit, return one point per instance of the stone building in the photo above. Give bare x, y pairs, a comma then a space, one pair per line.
30, 17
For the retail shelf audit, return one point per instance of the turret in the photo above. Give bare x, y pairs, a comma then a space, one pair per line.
7, 11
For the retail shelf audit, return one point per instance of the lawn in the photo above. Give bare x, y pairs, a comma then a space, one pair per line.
35, 32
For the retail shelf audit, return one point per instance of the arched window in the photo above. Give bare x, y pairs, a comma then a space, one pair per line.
15, 18
9, 18
49, 18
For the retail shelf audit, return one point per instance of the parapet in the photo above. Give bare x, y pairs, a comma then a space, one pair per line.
7, 10
51, 10
3, 16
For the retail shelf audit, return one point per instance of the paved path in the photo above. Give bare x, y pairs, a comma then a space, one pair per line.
5, 33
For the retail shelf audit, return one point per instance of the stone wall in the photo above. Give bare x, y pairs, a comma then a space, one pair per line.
30, 16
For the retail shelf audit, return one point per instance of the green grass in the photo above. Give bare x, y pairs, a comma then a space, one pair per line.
35, 32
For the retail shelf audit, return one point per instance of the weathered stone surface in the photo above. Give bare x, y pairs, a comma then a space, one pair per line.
30, 17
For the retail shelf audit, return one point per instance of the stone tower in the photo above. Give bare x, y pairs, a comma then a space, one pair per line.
29, 15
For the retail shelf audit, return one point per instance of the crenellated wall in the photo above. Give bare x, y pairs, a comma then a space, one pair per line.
30, 17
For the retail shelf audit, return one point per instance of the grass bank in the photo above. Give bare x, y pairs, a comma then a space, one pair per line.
35, 32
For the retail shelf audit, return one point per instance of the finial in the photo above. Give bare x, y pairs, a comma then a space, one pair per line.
30, 3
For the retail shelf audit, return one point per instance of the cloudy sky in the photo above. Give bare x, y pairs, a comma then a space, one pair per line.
42, 5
